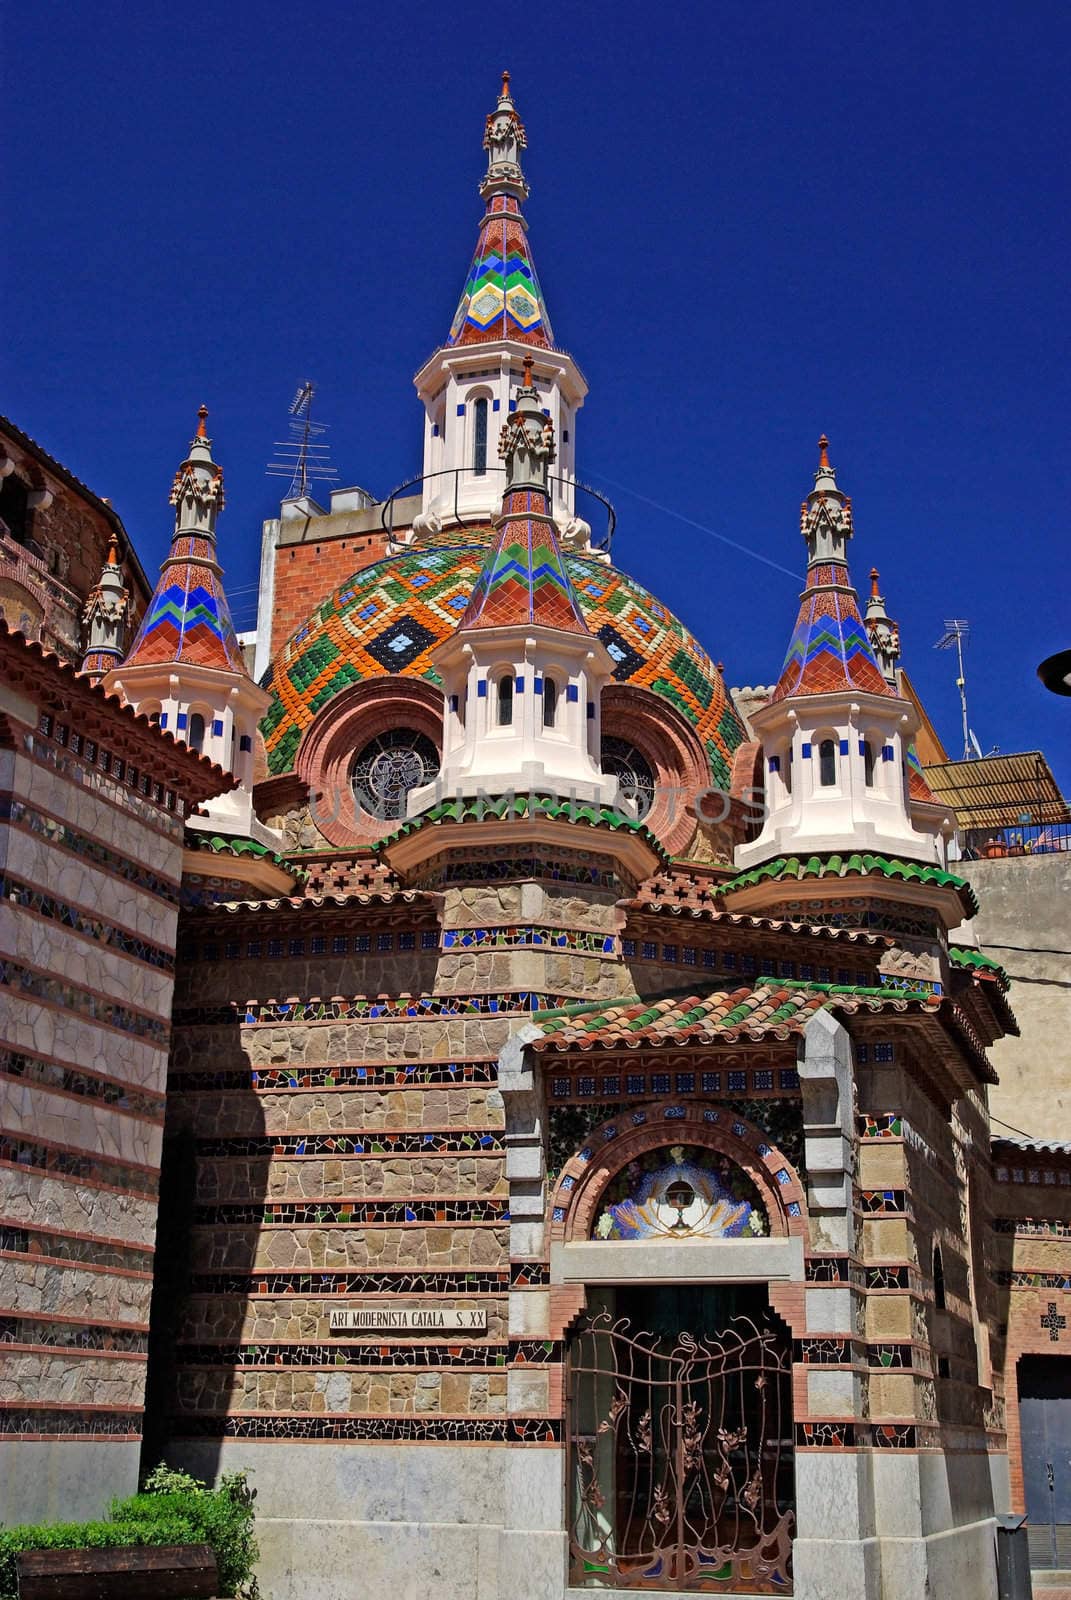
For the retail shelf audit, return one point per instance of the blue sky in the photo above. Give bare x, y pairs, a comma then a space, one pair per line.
752, 224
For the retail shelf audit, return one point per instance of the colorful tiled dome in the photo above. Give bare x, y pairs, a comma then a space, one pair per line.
388, 619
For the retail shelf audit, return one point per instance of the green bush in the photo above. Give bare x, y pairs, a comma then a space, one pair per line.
173, 1509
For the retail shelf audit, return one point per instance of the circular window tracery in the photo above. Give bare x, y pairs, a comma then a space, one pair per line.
621, 760
389, 767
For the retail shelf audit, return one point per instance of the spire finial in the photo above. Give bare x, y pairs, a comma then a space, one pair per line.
202, 416
874, 576
528, 363
823, 455
112, 558
505, 85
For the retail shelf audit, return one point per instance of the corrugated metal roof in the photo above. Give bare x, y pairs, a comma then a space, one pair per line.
1000, 791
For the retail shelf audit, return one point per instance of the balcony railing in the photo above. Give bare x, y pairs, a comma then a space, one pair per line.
1021, 839
594, 507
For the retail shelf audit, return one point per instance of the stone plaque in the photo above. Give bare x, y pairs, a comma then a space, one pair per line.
407, 1319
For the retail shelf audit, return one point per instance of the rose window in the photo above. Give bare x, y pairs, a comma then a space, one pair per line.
624, 762
389, 767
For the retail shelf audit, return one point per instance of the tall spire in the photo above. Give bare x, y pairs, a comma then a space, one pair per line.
883, 632
502, 298
106, 615
830, 649
188, 619
523, 579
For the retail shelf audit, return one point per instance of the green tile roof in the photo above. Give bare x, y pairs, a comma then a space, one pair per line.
973, 960
855, 865
753, 1011
527, 805
221, 846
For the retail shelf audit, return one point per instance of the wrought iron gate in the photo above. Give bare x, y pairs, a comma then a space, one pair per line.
680, 1459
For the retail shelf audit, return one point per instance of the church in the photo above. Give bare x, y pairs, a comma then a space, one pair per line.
527, 1104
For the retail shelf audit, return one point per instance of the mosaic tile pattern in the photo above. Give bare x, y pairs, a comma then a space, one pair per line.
58, 833
502, 298
50, 909
826, 1435
56, 1075
476, 1430
826, 1269
67, 1247
68, 1164
46, 1423
369, 625
386, 1281
830, 649
72, 1336
520, 938
342, 1075
887, 1277
41, 986
341, 1353
286, 1146
311, 1213
523, 578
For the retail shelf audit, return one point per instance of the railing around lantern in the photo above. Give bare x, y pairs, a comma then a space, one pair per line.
464, 517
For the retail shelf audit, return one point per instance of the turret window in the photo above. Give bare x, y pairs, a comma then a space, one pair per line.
867, 750
479, 447
195, 733
827, 763
505, 701
550, 702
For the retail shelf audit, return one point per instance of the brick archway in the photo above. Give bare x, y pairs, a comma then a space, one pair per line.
589, 1172
348, 721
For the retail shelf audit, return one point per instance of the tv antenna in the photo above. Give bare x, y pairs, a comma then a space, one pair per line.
956, 635
302, 458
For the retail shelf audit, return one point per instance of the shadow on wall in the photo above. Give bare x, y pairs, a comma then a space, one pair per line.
202, 1287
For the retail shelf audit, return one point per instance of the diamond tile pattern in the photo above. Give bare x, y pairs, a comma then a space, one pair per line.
502, 298
432, 586
830, 649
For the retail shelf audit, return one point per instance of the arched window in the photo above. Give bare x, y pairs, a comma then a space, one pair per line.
786, 769
938, 1279
195, 733
550, 702
623, 761
505, 700
479, 438
388, 767
868, 763
827, 763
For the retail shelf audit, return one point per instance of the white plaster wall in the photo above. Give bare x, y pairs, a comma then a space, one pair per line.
66, 1480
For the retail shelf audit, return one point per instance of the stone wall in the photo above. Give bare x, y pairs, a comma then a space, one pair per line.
88, 916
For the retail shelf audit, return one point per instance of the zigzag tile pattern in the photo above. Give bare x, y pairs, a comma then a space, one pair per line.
188, 618
524, 577
389, 617
502, 298
830, 649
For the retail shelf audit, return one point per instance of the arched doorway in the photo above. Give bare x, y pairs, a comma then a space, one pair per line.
678, 1390
680, 1463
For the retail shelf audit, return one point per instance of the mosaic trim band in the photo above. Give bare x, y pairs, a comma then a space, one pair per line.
51, 1074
